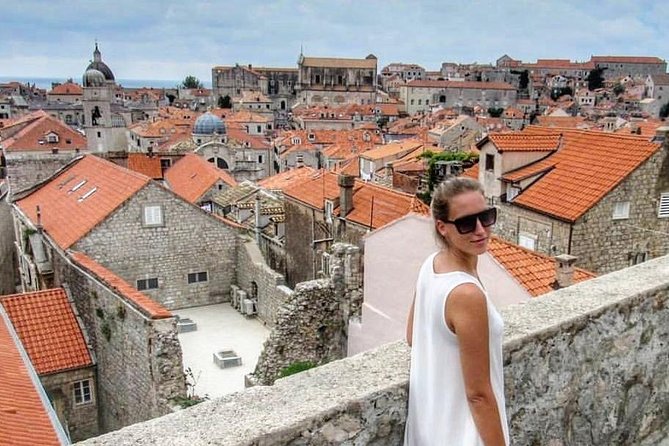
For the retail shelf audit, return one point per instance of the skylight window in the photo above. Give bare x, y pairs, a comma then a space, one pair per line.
87, 194
78, 185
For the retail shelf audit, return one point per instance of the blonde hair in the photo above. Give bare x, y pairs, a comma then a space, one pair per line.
441, 199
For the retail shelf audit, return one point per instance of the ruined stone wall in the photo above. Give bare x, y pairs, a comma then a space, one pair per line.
79, 420
270, 288
303, 226
190, 241
603, 244
7, 251
138, 358
584, 365
24, 170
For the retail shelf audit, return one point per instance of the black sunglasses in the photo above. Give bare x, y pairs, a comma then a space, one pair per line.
467, 224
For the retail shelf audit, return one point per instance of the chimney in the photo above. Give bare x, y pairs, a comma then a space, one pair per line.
564, 270
345, 183
39, 219
257, 210
662, 136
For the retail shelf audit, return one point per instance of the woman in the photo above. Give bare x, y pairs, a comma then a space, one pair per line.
456, 391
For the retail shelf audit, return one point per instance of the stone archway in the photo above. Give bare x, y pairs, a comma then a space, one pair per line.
219, 162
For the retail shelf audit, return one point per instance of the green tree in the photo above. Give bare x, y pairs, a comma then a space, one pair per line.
191, 82
595, 79
557, 92
467, 158
224, 101
495, 112
664, 111
619, 89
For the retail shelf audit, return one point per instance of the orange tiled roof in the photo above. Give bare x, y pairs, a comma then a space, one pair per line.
136, 298
68, 88
472, 172
32, 137
146, 165
399, 149
25, 420
535, 272
373, 205
647, 127
561, 121
513, 113
48, 328
520, 142
236, 133
66, 215
327, 62
626, 59
163, 128
191, 177
587, 167
244, 116
285, 179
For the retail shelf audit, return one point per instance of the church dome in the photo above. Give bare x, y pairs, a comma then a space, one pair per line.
99, 65
93, 78
208, 124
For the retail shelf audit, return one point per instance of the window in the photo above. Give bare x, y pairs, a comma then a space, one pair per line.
325, 264
412, 102
260, 159
258, 129
527, 241
490, 162
99, 135
197, 277
147, 284
621, 210
153, 216
82, 392
663, 211
329, 207
420, 102
299, 158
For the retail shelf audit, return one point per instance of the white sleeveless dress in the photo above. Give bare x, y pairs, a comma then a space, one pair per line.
438, 410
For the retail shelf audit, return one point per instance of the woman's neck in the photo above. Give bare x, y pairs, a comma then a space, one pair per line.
462, 261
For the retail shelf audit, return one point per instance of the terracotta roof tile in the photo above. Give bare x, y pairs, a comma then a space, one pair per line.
68, 214
68, 88
284, 179
48, 328
25, 421
588, 166
338, 62
33, 137
191, 177
146, 165
520, 142
136, 298
472, 172
626, 59
398, 149
562, 121
535, 272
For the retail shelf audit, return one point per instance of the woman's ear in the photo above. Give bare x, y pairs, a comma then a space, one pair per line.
441, 228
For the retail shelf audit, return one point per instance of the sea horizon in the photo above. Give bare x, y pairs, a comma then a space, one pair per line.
45, 82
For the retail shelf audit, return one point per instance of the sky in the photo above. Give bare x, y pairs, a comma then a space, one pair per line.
165, 39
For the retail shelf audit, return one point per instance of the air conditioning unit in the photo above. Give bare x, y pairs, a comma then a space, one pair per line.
241, 296
249, 307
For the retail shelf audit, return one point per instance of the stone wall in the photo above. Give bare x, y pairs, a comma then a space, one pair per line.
7, 251
303, 226
270, 288
584, 365
138, 358
190, 241
80, 421
603, 244
27, 169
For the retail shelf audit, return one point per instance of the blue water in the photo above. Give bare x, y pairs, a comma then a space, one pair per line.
45, 82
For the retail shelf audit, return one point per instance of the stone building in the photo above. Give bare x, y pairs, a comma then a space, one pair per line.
329, 208
172, 250
616, 67
657, 87
421, 96
601, 197
36, 146
68, 92
52, 334
336, 81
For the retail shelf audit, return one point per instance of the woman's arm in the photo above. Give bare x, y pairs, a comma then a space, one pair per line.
409, 333
466, 314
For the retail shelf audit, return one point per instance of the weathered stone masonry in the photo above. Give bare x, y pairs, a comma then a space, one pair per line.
138, 358
584, 365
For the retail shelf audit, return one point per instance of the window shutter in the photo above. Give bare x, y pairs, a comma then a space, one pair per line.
663, 210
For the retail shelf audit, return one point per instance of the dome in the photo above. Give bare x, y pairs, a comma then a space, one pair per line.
93, 78
99, 65
208, 124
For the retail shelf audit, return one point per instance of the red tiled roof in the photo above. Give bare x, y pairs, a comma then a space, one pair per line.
32, 137
626, 59
535, 272
561, 121
25, 420
284, 179
466, 85
48, 328
472, 172
66, 215
146, 165
587, 167
520, 142
68, 88
373, 205
398, 149
191, 177
136, 298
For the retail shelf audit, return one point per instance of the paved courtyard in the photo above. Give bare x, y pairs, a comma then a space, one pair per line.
220, 327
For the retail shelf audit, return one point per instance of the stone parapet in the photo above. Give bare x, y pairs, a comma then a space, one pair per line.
583, 365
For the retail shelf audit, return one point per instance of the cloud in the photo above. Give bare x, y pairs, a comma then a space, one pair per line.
152, 39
